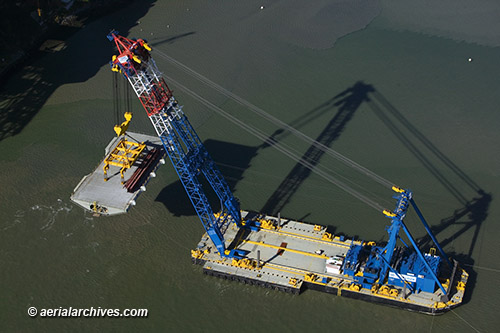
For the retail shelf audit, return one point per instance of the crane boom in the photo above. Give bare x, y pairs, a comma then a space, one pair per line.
183, 146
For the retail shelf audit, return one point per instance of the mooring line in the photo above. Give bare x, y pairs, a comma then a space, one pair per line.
485, 268
465, 321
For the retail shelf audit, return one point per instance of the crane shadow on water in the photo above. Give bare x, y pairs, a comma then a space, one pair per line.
81, 55
342, 106
234, 159
171, 39
474, 206
231, 158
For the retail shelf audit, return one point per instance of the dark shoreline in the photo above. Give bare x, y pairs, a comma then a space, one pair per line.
86, 14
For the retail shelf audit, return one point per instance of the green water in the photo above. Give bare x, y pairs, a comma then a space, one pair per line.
56, 255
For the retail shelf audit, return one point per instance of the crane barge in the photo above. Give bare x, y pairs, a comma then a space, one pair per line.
280, 253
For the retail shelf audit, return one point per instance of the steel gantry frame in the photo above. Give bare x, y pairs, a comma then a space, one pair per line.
381, 263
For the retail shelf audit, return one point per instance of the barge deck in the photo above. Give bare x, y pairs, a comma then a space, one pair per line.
292, 256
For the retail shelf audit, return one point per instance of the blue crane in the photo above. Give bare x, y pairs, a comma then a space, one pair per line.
190, 159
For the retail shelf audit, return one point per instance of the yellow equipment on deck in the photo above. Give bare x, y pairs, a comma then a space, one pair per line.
126, 152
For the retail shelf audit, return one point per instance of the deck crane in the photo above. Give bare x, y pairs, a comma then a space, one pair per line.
381, 265
183, 146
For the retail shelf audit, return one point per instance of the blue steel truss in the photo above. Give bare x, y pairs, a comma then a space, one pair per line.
187, 153
191, 159
404, 199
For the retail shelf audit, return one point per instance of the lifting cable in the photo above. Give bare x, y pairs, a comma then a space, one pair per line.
379, 179
126, 96
116, 98
278, 146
